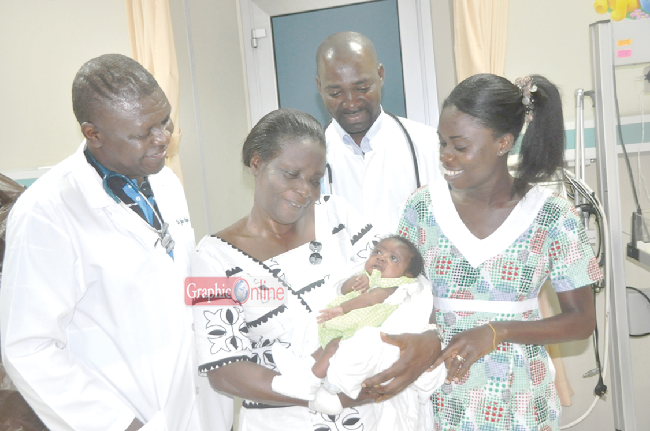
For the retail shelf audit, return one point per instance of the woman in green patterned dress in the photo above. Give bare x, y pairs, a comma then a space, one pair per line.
489, 240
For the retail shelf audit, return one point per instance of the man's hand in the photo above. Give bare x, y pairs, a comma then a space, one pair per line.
329, 314
417, 353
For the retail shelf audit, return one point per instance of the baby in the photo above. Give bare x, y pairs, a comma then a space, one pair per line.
394, 262
387, 291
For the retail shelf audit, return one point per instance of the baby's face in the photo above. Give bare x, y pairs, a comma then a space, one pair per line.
390, 257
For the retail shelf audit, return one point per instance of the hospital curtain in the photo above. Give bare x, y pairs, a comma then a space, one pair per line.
152, 45
480, 33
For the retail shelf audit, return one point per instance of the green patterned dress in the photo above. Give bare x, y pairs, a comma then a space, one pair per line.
495, 279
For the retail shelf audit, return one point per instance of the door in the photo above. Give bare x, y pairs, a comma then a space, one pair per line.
415, 44
295, 62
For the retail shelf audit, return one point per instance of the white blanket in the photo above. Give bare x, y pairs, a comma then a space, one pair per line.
365, 355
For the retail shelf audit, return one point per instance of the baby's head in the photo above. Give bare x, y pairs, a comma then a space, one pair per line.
394, 257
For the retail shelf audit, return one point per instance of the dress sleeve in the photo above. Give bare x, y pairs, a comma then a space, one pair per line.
220, 330
409, 222
572, 261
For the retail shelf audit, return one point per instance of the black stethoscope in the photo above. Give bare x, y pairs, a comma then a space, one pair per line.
416, 169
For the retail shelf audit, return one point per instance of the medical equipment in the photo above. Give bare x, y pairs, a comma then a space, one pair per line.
638, 309
613, 45
639, 246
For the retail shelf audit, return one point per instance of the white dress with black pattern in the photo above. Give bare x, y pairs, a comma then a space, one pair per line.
224, 335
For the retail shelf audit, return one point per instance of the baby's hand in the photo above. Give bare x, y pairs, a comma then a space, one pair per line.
361, 284
329, 314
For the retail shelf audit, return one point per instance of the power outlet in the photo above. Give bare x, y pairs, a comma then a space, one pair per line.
646, 80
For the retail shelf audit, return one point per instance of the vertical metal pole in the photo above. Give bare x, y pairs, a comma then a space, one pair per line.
579, 168
603, 78
579, 151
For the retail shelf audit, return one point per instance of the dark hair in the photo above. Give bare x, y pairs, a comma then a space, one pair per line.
271, 132
113, 80
497, 104
416, 264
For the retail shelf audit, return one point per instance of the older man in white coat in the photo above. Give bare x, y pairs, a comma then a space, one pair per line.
376, 159
95, 332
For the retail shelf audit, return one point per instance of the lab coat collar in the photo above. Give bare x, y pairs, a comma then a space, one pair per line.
91, 185
89, 180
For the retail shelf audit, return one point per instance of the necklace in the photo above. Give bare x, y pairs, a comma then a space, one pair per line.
315, 258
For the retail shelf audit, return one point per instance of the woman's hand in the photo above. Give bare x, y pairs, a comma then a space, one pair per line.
464, 349
367, 395
251, 381
329, 314
417, 353
576, 322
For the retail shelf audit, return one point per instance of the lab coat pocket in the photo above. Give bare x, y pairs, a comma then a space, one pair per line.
156, 423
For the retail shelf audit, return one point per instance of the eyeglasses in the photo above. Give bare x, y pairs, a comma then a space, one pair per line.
315, 258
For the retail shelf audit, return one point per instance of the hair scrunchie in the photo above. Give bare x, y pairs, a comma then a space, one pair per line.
527, 86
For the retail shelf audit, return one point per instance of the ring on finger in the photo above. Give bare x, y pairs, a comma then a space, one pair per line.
460, 358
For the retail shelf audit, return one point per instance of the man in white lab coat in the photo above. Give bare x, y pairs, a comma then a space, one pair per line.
372, 163
95, 331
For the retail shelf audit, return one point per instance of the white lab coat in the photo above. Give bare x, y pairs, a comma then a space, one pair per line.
94, 327
378, 183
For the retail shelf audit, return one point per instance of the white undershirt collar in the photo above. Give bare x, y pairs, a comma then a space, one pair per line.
365, 146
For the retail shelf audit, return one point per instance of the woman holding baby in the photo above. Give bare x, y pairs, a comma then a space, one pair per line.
299, 238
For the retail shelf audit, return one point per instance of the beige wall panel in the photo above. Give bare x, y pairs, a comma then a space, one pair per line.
221, 95
551, 38
442, 19
42, 45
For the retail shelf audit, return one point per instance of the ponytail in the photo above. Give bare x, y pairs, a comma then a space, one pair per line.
542, 146
504, 107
